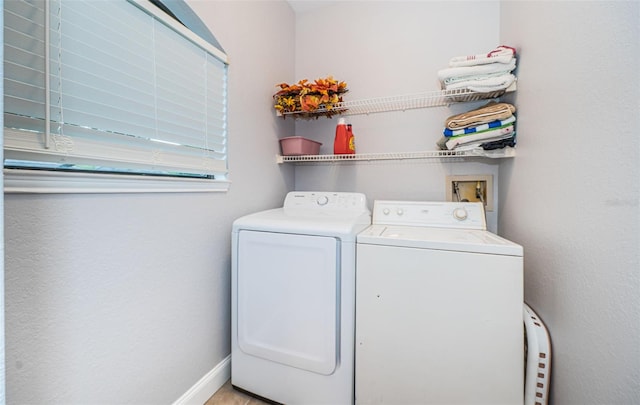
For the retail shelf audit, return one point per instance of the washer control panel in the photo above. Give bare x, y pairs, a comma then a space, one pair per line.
463, 215
314, 201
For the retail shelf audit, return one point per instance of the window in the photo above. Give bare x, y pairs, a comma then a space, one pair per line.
127, 90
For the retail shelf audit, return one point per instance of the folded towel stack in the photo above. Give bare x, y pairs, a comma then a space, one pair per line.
489, 127
483, 73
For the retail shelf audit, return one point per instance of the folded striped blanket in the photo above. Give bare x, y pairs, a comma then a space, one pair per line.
487, 136
480, 128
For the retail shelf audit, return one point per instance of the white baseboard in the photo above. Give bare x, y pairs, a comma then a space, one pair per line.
208, 385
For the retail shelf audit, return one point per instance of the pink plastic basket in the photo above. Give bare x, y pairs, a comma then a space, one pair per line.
297, 145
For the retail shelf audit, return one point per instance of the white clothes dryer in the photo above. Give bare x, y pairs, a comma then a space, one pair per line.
293, 298
438, 308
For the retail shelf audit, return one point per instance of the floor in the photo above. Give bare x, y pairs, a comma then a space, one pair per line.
227, 395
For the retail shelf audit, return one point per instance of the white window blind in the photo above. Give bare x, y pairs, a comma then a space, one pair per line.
131, 90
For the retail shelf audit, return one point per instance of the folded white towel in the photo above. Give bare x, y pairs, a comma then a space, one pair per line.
478, 144
484, 85
472, 71
453, 80
502, 54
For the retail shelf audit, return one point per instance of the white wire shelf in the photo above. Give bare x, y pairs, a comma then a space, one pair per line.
402, 103
507, 152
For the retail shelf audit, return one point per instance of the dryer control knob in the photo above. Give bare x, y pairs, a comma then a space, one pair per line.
386, 211
400, 211
460, 214
322, 200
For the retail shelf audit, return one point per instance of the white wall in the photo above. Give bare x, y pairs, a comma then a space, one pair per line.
571, 195
125, 298
383, 49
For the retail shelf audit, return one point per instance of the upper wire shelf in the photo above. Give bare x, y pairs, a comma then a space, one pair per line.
403, 103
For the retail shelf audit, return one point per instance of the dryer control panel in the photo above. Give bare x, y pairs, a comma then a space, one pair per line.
313, 201
431, 214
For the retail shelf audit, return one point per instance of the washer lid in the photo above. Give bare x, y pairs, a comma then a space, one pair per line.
460, 240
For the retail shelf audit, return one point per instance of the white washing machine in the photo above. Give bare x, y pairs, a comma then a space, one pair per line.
293, 298
438, 308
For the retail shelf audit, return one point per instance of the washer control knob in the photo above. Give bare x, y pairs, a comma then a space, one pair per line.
322, 200
400, 211
386, 211
460, 214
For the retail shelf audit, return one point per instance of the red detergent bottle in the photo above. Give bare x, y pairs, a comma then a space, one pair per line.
341, 143
351, 139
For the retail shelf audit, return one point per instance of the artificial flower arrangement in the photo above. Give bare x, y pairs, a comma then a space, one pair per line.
307, 97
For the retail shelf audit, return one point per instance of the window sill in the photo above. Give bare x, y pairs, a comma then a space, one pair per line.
20, 181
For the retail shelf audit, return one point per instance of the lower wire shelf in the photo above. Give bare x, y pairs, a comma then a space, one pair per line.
507, 152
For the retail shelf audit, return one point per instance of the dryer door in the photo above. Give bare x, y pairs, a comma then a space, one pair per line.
288, 299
